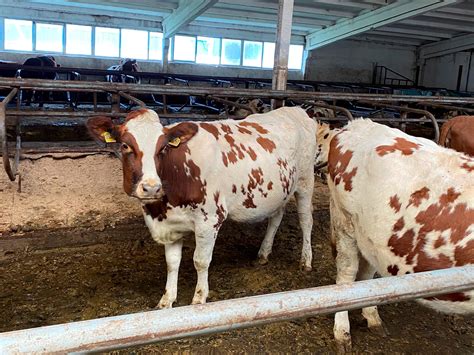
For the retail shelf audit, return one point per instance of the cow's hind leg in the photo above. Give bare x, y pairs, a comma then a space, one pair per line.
267, 243
347, 262
173, 259
304, 202
374, 322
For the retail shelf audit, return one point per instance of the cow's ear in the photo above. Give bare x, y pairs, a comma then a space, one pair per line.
101, 128
181, 133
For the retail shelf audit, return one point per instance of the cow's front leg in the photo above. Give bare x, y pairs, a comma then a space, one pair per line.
267, 243
173, 258
205, 240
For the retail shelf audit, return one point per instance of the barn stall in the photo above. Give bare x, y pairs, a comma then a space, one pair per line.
74, 246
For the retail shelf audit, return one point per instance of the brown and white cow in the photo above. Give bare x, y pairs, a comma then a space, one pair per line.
458, 134
191, 177
399, 204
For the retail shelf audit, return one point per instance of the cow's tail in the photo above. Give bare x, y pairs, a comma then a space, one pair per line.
445, 130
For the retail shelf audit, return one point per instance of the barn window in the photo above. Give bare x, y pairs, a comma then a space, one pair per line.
268, 55
155, 50
107, 42
184, 48
134, 44
78, 39
18, 35
252, 54
49, 37
295, 58
208, 50
231, 50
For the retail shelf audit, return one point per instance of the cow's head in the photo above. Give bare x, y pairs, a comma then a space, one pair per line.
147, 149
323, 139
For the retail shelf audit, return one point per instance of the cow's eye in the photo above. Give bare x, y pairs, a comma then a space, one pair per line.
126, 148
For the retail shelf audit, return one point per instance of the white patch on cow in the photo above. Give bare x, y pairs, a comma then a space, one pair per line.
446, 249
146, 129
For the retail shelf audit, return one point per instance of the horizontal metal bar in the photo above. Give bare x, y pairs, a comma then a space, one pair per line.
153, 326
61, 85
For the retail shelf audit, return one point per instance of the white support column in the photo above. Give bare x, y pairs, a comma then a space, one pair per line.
282, 48
187, 11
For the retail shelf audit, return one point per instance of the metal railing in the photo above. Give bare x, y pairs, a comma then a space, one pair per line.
154, 326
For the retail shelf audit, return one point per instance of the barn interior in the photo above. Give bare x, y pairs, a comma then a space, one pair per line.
74, 247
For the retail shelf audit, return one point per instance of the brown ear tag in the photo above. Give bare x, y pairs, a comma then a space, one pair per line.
175, 142
108, 137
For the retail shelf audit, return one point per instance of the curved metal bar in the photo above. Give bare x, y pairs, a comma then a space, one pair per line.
413, 110
11, 171
132, 98
344, 110
232, 103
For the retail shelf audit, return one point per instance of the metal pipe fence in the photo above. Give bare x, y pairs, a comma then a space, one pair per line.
160, 325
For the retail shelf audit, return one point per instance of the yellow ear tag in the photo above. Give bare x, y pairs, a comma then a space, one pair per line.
175, 142
108, 137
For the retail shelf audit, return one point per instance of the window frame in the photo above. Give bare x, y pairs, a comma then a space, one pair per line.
95, 41
63, 36
33, 35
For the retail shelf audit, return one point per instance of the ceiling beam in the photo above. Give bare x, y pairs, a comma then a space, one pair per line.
440, 24
187, 11
382, 32
416, 31
353, 4
453, 45
371, 20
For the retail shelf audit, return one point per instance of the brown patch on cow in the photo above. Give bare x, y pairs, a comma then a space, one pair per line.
212, 129
252, 153
443, 215
220, 211
266, 144
287, 175
402, 145
467, 167
456, 134
393, 269
338, 163
181, 178
439, 242
234, 189
205, 214
224, 159
402, 246
398, 226
254, 125
157, 210
135, 114
270, 185
418, 196
464, 255
255, 181
395, 203
451, 297
243, 130
235, 149
132, 163
226, 128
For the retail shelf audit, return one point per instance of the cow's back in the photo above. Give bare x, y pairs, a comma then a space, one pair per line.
408, 202
258, 162
458, 134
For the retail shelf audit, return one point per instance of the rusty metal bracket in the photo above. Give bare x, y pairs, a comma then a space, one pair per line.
132, 98
428, 114
10, 170
232, 103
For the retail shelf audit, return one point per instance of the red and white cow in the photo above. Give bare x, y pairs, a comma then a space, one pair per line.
191, 177
399, 204
458, 134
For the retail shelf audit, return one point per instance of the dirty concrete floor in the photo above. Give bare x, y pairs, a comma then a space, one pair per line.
126, 273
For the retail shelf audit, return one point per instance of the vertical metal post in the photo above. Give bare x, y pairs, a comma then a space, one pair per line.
166, 50
115, 101
282, 48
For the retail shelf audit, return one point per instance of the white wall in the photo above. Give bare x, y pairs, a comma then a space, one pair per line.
354, 60
443, 71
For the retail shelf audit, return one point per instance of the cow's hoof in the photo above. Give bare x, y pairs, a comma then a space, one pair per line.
379, 330
164, 303
198, 300
262, 260
344, 346
306, 268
